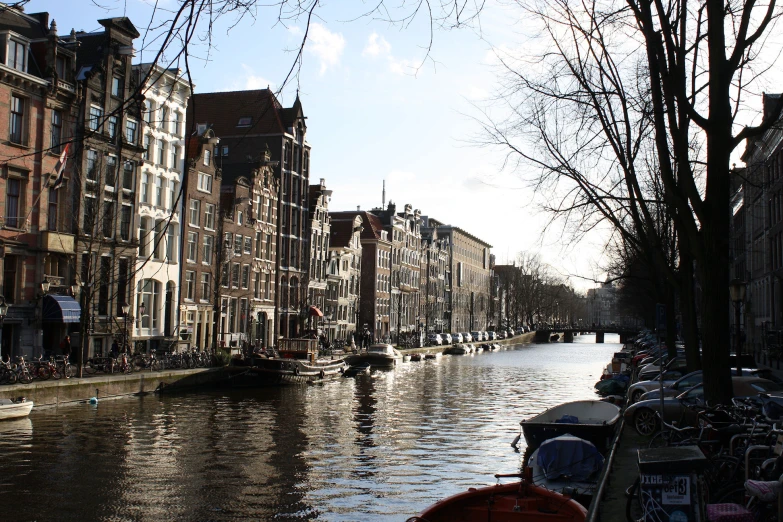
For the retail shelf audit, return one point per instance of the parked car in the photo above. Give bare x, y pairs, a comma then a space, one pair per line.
446, 338
651, 371
467, 338
477, 336
493, 336
457, 338
694, 378
434, 340
519, 331
501, 335
643, 413
670, 377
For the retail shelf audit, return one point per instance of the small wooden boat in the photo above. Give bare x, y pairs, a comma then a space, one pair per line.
479, 348
433, 356
406, 358
514, 502
593, 421
459, 349
416, 357
298, 363
15, 408
357, 369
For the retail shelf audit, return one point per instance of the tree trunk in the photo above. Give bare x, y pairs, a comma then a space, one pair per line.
671, 321
688, 309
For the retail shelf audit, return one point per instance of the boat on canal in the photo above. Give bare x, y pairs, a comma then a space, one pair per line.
590, 420
517, 501
357, 369
378, 356
15, 408
297, 363
459, 349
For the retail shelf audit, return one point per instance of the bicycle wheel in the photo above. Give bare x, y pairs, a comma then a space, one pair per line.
90, 368
56, 375
42, 373
25, 377
733, 494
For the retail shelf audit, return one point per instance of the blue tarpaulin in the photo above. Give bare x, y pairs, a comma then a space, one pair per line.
60, 309
569, 456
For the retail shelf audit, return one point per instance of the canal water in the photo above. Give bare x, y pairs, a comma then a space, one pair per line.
375, 448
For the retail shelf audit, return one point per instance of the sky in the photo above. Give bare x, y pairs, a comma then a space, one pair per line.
379, 108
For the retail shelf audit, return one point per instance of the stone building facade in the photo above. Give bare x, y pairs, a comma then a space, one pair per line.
435, 280
159, 208
320, 232
344, 278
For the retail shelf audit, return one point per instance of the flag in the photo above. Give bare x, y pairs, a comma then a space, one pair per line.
59, 169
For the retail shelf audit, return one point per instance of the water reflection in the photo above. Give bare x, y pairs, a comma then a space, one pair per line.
375, 447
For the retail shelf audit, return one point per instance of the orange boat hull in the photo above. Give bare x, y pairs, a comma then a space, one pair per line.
515, 502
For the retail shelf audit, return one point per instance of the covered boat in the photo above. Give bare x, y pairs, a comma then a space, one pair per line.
593, 421
514, 502
15, 408
567, 464
378, 355
298, 363
459, 349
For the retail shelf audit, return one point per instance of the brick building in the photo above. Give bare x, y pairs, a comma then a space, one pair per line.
249, 122
345, 268
38, 88
435, 280
320, 230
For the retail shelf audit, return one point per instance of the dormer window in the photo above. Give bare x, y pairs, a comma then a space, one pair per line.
16, 57
245, 121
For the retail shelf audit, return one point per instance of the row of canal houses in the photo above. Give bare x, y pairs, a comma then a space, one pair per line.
135, 209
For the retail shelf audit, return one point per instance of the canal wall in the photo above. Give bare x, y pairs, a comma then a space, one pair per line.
54, 393
525, 338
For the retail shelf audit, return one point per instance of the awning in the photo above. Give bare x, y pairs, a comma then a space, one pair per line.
315, 312
60, 309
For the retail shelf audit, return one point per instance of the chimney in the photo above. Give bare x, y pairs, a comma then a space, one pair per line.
358, 208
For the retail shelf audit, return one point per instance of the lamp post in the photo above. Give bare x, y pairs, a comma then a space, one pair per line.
737, 292
3, 312
125, 309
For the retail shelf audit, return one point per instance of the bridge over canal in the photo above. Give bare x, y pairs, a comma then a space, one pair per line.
567, 334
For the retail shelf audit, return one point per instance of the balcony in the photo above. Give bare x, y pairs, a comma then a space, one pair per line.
57, 242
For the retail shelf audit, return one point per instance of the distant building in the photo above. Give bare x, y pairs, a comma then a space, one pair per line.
344, 277
602, 305
320, 231
435, 284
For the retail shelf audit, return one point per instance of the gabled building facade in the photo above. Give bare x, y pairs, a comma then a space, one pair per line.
108, 155
345, 268
319, 233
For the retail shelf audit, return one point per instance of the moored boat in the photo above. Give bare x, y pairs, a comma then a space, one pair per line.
416, 357
517, 501
436, 355
297, 364
459, 349
15, 408
406, 358
593, 421
378, 355
357, 369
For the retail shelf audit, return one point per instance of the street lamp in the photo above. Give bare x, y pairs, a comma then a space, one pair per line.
737, 292
3, 312
45, 287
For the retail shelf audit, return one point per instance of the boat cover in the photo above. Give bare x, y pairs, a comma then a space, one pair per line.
569, 456
568, 419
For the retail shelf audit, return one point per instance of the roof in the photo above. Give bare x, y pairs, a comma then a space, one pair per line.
372, 224
341, 232
224, 109
33, 26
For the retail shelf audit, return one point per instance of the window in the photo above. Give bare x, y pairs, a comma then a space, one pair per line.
286, 155
161, 153
238, 245
259, 245
174, 164
244, 121
17, 52
159, 191
57, 131
9, 279
306, 164
164, 114
92, 165
205, 182
227, 242
130, 131
96, 118
127, 175
125, 222
146, 112
145, 187
235, 275
172, 193
267, 286
110, 171
108, 219
206, 157
171, 244
147, 146
248, 245
245, 276
190, 284
89, 216
208, 246
103, 286
149, 292
209, 216
224, 151
112, 126
158, 245
195, 212
257, 286
122, 283
269, 247
205, 290
13, 203
16, 132
192, 242
52, 214
178, 123
117, 86
224, 276
240, 218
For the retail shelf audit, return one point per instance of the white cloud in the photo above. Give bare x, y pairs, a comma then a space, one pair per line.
403, 66
326, 45
376, 46
252, 81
